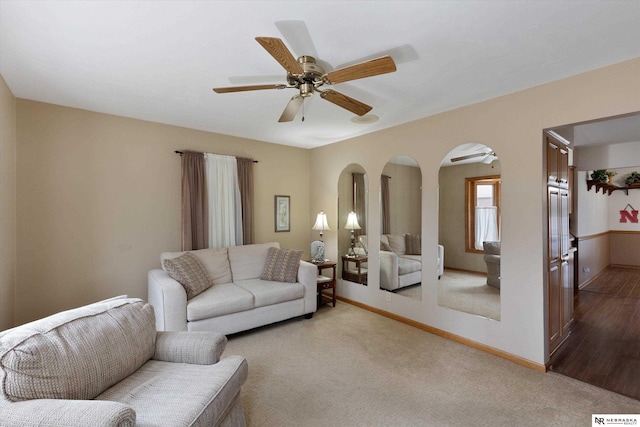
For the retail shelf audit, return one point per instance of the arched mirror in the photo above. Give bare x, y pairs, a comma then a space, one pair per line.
469, 230
400, 228
353, 190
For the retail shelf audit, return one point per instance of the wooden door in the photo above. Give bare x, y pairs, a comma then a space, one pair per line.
552, 162
559, 262
563, 167
555, 271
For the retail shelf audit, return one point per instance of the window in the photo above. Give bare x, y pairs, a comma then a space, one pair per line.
482, 205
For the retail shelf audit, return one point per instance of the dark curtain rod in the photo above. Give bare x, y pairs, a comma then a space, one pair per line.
181, 153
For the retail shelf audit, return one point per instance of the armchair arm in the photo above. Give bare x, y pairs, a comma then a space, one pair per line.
197, 348
169, 301
308, 277
68, 413
388, 270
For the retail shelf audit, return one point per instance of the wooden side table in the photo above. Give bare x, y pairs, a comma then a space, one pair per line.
326, 283
358, 274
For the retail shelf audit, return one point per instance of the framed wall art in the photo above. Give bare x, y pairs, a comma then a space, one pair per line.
282, 214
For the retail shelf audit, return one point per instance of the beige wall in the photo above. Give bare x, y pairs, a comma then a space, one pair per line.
99, 200
7, 205
593, 257
405, 202
512, 125
452, 214
624, 248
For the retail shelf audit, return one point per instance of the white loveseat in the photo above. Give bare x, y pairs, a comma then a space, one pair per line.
104, 364
238, 300
397, 268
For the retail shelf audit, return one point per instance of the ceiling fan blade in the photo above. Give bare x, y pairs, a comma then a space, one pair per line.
297, 37
292, 108
374, 67
279, 51
469, 156
489, 159
346, 102
245, 88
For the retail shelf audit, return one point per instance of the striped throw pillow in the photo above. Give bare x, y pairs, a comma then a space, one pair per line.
189, 272
412, 242
281, 265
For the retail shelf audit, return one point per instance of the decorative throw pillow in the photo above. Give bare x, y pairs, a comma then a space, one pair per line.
281, 265
189, 272
384, 246
397, 243
412, 242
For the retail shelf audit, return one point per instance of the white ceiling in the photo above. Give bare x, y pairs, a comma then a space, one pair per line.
158, 61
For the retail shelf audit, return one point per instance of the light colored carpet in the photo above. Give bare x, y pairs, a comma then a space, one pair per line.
469, 293
414, 292
351, 367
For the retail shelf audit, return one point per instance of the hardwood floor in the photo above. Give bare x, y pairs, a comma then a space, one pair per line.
603, 348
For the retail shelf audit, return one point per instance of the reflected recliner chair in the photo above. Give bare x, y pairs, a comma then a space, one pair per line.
492, 258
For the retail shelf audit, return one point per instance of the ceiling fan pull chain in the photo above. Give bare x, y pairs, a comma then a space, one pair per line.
303, 109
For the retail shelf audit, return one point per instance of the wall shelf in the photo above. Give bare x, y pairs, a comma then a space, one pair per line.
609, 188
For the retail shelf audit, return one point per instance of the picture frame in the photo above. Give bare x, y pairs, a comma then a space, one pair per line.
282, 213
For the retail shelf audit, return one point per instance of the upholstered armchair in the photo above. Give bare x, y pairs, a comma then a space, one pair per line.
492, 258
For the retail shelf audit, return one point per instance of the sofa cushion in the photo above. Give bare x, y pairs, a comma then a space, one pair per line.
412, 243
219, 300
247, 262
397, 243
76, 354
214, 260
407, 265
267, 292
417, 258
189, 272
281, 265
167, 394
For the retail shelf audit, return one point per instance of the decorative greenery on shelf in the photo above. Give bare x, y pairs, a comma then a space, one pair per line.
633, 178
602, 175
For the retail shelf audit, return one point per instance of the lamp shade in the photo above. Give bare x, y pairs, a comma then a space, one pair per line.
352, 222
321, 222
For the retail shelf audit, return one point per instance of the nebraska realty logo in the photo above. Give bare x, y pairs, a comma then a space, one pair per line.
616, 419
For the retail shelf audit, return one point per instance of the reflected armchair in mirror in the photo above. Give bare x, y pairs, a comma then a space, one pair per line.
401, 260
492, 258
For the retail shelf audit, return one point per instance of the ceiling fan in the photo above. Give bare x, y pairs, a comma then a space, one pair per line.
489, 157
307, 76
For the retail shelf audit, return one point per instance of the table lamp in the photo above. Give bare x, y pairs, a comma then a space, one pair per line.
352, 224
317, 246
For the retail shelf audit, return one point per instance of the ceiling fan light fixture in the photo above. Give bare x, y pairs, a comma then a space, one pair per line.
306, 89
366, 119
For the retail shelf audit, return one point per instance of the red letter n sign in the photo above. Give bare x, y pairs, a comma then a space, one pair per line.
630, 214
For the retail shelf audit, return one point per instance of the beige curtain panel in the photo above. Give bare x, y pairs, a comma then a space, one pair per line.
386, 208
195, 227
359, 203
195, 211
245, 181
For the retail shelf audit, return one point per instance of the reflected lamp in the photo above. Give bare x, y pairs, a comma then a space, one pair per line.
352, 224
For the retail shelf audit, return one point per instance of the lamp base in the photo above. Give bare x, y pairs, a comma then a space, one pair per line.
317, 251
